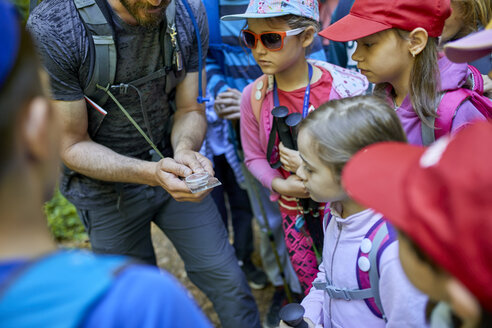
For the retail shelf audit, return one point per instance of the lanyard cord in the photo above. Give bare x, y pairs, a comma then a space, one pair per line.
200, 99
305, 106
135, 124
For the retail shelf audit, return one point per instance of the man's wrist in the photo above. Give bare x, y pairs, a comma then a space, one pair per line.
184, 145
148, 170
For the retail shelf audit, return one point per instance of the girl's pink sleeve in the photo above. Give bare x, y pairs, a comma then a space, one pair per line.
254, 151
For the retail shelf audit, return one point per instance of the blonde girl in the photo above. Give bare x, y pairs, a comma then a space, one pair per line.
328, 138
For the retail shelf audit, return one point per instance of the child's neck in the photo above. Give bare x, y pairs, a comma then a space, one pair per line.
294, 77
350, 207
401, 87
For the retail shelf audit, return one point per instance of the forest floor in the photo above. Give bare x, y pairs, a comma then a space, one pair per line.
168, 259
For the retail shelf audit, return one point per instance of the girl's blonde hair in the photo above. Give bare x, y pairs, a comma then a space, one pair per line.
340, 128
475, 13
424, 80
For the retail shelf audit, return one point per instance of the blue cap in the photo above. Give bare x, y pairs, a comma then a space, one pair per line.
9, 39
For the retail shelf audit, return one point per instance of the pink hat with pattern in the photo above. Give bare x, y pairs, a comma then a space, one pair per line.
276, 8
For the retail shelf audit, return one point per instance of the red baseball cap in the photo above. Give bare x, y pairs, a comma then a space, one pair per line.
371, 16
441, 197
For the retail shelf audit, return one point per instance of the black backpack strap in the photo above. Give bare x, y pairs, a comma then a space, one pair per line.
102, 48
171, 51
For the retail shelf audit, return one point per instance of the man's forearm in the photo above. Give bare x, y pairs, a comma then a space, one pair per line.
189, 130
99, 162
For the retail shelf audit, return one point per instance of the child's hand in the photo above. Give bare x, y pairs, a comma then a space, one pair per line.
292, 186
227, 104
289, 158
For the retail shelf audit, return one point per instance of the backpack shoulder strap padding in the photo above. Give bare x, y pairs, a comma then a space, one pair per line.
258, 92
102, 49
379, 237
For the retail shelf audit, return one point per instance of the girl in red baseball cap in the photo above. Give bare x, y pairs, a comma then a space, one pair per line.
397, 49
361, 282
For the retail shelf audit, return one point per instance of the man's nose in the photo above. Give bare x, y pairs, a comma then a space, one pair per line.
154, 3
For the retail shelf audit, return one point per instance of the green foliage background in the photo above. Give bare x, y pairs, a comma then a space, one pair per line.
23, 7
63, 220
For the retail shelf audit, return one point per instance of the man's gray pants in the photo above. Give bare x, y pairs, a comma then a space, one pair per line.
199, 236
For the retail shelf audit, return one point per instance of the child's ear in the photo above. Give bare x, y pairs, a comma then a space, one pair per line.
307, 36
417, 41
463, 302
35, 129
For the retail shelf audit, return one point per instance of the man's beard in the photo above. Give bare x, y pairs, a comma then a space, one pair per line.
140, 12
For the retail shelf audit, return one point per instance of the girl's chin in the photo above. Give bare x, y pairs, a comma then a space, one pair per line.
268, 70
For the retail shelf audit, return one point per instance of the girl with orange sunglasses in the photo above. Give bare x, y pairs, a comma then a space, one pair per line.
279, 34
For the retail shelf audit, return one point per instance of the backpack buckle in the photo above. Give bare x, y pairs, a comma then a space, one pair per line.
338, 293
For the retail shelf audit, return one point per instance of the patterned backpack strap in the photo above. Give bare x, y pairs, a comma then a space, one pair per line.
377, 239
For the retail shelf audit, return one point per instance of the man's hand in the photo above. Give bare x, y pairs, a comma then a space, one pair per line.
292, 186
227, 104
289, 158
195, 161
185, 162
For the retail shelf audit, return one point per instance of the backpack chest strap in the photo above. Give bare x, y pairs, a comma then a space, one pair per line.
344, 293
380, 239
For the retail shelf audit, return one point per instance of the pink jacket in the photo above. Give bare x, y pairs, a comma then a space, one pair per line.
254, 134
403, 304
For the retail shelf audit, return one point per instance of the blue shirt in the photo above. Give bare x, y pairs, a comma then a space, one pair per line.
139, 296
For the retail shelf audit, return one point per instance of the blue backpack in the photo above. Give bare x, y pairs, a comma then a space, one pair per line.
57, 290
376, 240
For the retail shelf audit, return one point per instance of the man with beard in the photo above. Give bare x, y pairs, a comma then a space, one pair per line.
110, 173
41, 286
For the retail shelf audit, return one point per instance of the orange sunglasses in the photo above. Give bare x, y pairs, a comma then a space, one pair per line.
273, 41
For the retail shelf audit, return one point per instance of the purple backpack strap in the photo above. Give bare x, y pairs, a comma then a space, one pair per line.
326, 218
451, 101
446, 110
477, 79
377, 239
